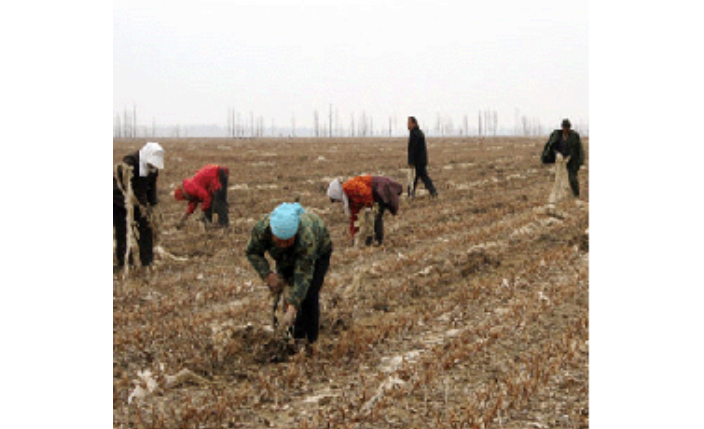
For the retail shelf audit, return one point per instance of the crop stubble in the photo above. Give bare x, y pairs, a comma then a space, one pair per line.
473, 314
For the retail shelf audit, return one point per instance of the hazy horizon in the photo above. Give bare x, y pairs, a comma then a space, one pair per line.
190, 64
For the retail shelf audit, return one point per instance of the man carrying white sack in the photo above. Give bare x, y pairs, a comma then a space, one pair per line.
564, 148
145, 165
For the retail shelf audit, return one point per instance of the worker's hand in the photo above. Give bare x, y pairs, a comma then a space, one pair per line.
567, 159
290, 316
274, 283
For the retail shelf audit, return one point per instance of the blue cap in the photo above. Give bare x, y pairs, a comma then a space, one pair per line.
284, 220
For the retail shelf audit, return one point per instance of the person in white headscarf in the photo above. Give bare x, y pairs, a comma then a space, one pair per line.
336, 193
367, 192
151, 159
145, 164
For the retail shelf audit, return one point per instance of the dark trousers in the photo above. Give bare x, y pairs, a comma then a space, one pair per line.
145, 239
422, 174
220, 204
308, 320
574, 180
378, 225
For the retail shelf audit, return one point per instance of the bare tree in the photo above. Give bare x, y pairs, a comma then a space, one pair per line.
531, 127
330, 126
125, 125
232, 130
293, 124
134, 120
116, 126
351, 124
449, 126
480, 128
316, 123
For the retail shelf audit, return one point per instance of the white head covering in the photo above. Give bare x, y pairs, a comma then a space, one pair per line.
336, 193
151, 153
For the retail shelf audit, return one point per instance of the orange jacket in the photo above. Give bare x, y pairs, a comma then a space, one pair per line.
359, 192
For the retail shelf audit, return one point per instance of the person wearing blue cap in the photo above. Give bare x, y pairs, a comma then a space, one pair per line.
300, 244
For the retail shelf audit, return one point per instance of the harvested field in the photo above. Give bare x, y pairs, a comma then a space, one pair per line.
474, 313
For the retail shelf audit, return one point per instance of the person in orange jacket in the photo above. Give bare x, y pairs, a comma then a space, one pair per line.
207, 187
364, 192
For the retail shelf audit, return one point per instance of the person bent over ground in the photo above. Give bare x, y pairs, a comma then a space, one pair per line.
207, 187
300, 244
359, 193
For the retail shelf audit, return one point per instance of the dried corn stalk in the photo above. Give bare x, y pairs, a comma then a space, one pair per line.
185, 376
123, 174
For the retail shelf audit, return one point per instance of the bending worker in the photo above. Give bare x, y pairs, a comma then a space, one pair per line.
300, 244
209, 188
366, 192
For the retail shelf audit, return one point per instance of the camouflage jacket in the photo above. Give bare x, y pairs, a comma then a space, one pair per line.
297, 261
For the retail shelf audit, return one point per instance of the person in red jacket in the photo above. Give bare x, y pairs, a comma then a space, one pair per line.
209, 188
364, 192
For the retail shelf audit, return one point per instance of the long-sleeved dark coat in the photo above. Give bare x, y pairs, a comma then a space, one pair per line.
417, 151
570, 147
144, 188
574, 149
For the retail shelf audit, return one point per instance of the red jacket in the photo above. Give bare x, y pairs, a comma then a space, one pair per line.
201, 187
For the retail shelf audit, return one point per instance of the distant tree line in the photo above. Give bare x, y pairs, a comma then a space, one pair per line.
240, 124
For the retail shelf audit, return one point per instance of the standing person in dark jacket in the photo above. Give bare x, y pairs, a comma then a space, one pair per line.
568, 144
418, 158
145, 164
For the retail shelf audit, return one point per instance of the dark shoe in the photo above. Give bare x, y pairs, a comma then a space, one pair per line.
368, 242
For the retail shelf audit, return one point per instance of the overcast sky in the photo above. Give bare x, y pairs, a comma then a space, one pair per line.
188, 62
